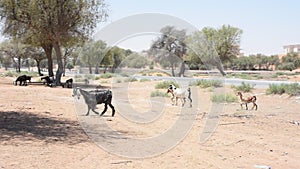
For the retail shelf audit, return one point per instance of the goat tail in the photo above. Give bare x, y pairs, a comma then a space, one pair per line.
189, 91
254, 98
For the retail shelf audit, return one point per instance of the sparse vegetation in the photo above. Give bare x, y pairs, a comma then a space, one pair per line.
242, 76
165, 84
145, 80
130, 79
207, 83
290, 89
158, 93
224, 98
107, 75
244, 87
16, 74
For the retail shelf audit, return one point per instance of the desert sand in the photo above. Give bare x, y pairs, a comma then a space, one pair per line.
40, 128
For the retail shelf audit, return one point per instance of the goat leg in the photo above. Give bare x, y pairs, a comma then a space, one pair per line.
105, 108
95, 111
190, 99
88, 112
254, 105
113, 109
183, 101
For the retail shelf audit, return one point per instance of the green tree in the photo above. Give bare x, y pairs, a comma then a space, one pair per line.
170, 46
225, 40
290, 62
15, 51
135, 60
99, 51
5, 60
202, 51
53, 23
38, 55
86, 55
274, 61
117, 56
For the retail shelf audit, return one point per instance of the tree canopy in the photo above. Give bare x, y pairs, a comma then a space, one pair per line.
226, 40
51, 23
171, 47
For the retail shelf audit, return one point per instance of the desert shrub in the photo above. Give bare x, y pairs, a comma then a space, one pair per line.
89, 76
16, 74
130, 79
241, 76
207, 83
77, 76
224, 98
165, 84
124, 74
10, 74
107, 75
158, 93
104, 81
244, 87
145, 80
118, 81
290, 89
280, 73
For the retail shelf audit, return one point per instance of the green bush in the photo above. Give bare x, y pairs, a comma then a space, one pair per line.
107, 75
89, 76
165, 84
130, 79
242, 76
244, 87
158, 93
224, 98
290, 89
145, 80
10, 74
207, 83
280, 73
16, 74
123, 74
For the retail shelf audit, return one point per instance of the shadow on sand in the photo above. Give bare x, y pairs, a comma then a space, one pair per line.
25, 126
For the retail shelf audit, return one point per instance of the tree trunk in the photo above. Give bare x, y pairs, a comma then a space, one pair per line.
28, 65
19, 65
182, 69
90, 69
38, 66
48, 51
220, 68
60, 70
96, 69
64, 66
172, 68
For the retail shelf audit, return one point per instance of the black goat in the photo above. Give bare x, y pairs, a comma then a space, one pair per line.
23, 80
92, 98
48, 80
68, 83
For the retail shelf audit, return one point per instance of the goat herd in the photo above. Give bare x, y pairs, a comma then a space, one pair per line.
47, 80
99, 96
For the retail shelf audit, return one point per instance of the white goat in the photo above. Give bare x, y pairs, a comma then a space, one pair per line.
181, 94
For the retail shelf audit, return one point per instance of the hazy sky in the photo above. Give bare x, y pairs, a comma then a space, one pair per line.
267, 24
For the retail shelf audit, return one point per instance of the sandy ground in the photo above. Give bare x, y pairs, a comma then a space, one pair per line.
40, 129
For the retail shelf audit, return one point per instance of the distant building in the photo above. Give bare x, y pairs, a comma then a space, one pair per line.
292, 48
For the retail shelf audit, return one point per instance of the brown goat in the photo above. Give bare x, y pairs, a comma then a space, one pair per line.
245, 101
